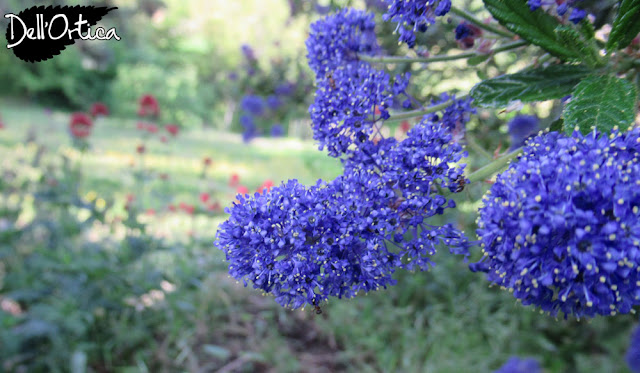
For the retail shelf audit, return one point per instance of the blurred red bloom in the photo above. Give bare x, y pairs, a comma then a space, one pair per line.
234, 181
140, 149
204, 197
189, 209
242, 189
151, 212
172, 208
1, 125
214, 207
130, 197
172, 129
80, 125
164, 176
207, 161
405, 126
268, 184
99, 108
148, 106
141, 126
152, 128
163, 139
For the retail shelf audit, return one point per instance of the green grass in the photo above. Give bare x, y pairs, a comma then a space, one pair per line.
445, 320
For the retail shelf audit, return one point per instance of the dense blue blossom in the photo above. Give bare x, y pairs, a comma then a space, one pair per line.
414, 15
249, 126
344, 110
277, 130
255, 105
304, 245
248, 53
521, 127
633, 352
337, 40
455, 116
273, 102
561, 227
517, 365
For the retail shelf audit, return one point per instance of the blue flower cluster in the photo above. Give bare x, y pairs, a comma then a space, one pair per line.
254, 105
337, 40
521, 127
304, 245
561, 227
344, 110
249, 127
517, 365
414, 15
561, 8
455, 116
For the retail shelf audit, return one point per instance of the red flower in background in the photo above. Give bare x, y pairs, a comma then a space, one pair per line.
130, 198
172, 129
214, 207
234, 181
242, 189
189, 209
151, 212
268, 184
163, 139
207, 161
152, 128
140, 149
80, 125
405, 126
204, 197
172, 208
99, 108
148, 106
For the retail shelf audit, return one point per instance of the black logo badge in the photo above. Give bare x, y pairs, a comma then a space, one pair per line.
40, 33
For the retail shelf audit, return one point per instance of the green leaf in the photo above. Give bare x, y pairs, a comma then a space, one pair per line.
574, 41
557, 125
555, 81
602, 102
537, 27
626, 26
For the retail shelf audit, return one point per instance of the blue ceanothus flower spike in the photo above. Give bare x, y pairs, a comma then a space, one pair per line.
414, 16
561, 227
306, 244
344, 110
336, 40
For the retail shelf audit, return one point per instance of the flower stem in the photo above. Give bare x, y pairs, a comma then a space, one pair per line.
422, 112
469, 17
471, 141
395, 59
493, 167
